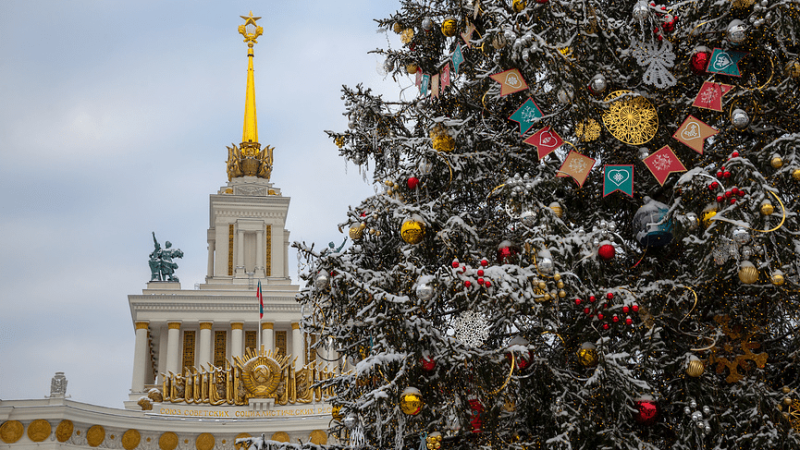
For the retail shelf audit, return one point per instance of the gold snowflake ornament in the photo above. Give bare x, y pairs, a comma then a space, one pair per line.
631, 119
587, 130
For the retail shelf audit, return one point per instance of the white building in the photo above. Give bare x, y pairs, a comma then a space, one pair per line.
207, 368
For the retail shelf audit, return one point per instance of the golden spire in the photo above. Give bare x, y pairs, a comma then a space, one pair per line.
249, 159
250, 31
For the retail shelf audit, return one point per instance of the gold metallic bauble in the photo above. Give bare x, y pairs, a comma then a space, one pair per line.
519, 5
397, 27
64, 430
318, 437
130, 439
542, 285
560, 285
433, 441
796, 174
407, 35
776, 162
449, 27
339, 141
695, 368
793, 69
336, 413
587, 130
748, 274
587, 355
786, 389
546, 297
205, 441
632, 119
557, 277
557, 209
562, 294
441, 140
411, 401
168, 441
357, 232
787, 401
39, 430
767, 209
412, 231
11, 431
411, 68
777, 278
95, 435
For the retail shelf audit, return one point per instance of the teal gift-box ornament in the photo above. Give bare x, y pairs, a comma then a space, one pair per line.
650, 224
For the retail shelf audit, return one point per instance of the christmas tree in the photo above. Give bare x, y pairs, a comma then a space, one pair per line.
513, 284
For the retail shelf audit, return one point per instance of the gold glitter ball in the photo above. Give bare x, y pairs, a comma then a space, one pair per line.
449, 27
411, 401
796, 174
776, 162
411, 68
587, 355
767, 209
407, 35
441, 141
630, 118
519, 5
412, 231
748, 274
777, 278
557, 209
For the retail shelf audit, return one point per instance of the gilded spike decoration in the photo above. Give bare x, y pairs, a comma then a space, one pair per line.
249, 159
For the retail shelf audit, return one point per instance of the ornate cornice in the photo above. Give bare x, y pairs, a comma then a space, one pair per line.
233, 307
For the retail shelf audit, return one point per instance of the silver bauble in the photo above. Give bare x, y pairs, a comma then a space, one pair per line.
740, 119
706, 410
425, 167
424, 292
693, 404
564, 96
351, 124
528, 218
644, 153
427, 24
692, 221
687, 411
707, 428
598, 84
700, 425
611, 227
641, 10
737, 32
546, 265
350, 421
321, 281
697, 416
741, 236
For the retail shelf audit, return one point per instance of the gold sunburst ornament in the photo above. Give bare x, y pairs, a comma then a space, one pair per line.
587, 130
631, 119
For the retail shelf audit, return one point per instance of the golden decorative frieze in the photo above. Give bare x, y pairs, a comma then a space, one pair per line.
267, 325
131, 439
95, 435
64, 430
241, 445
318, 437
11, 431
280, 436
295, 325
39, 430
168, 441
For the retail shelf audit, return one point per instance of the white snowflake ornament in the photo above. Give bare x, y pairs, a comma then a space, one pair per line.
471, 328
657, 59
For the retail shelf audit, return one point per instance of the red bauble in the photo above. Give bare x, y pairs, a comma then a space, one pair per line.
635, 308
606, 326
480, 272
467, 283
521, 360
699, 61
487, 283
600, 316
625, 309
735, 155
592, 298
427, 363
720, 198
628, 321
456, 264
484, 262
610, 295
586, 310
615, 318
480, 281
577, 301
412, 182
606, 251
733, 200
647, 411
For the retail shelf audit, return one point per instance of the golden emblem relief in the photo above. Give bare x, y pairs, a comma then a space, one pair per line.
64, 430
39, 430
11, 431
95, 435
168, 441
131, 439
249, 160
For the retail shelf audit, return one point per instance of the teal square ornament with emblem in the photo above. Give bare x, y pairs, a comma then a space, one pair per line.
618, 178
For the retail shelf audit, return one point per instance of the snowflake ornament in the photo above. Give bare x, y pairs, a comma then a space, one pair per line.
577, 165
662, 162
657, 60
471, 328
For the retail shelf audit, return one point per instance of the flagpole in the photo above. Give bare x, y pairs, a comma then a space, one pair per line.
260, 315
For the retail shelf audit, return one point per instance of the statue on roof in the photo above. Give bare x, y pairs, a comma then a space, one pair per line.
162, 266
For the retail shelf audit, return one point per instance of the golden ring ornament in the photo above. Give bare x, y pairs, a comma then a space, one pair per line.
11, 431
168, 441
64, 430
130, 439
631, 119
95, 435
205, 441
261, 375
38, 430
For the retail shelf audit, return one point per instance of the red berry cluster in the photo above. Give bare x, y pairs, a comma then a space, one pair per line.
731, 194
668, 22
462, 268
598, 310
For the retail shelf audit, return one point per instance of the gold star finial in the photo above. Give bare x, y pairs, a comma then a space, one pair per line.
250, 19
250, 30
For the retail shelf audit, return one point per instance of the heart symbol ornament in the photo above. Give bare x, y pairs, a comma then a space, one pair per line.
618, 176
546, 139
513, 80
692, 131
722, 62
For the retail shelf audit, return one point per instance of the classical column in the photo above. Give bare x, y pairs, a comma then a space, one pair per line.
205, 344
297, 346
240, 253
236, 339
260, 261
140, 356
211, 248
268, 336
174, 348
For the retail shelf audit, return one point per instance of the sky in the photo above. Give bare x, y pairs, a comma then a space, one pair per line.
114, 117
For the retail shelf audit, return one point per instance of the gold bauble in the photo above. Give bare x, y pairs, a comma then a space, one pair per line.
562, 294
787, 401
793, 69
397, 27
695, 368
777, 278
407, 35
412, 231
433, 441
519, 5
557, 277
557, 209
786, 389
411, 401
748, 274
441, 141
39, 430
339, 141
587, 355
449, 27
560, 285
776, 162
411, 68
796, 174
336, 413
542, 285
767, 209
357, 232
